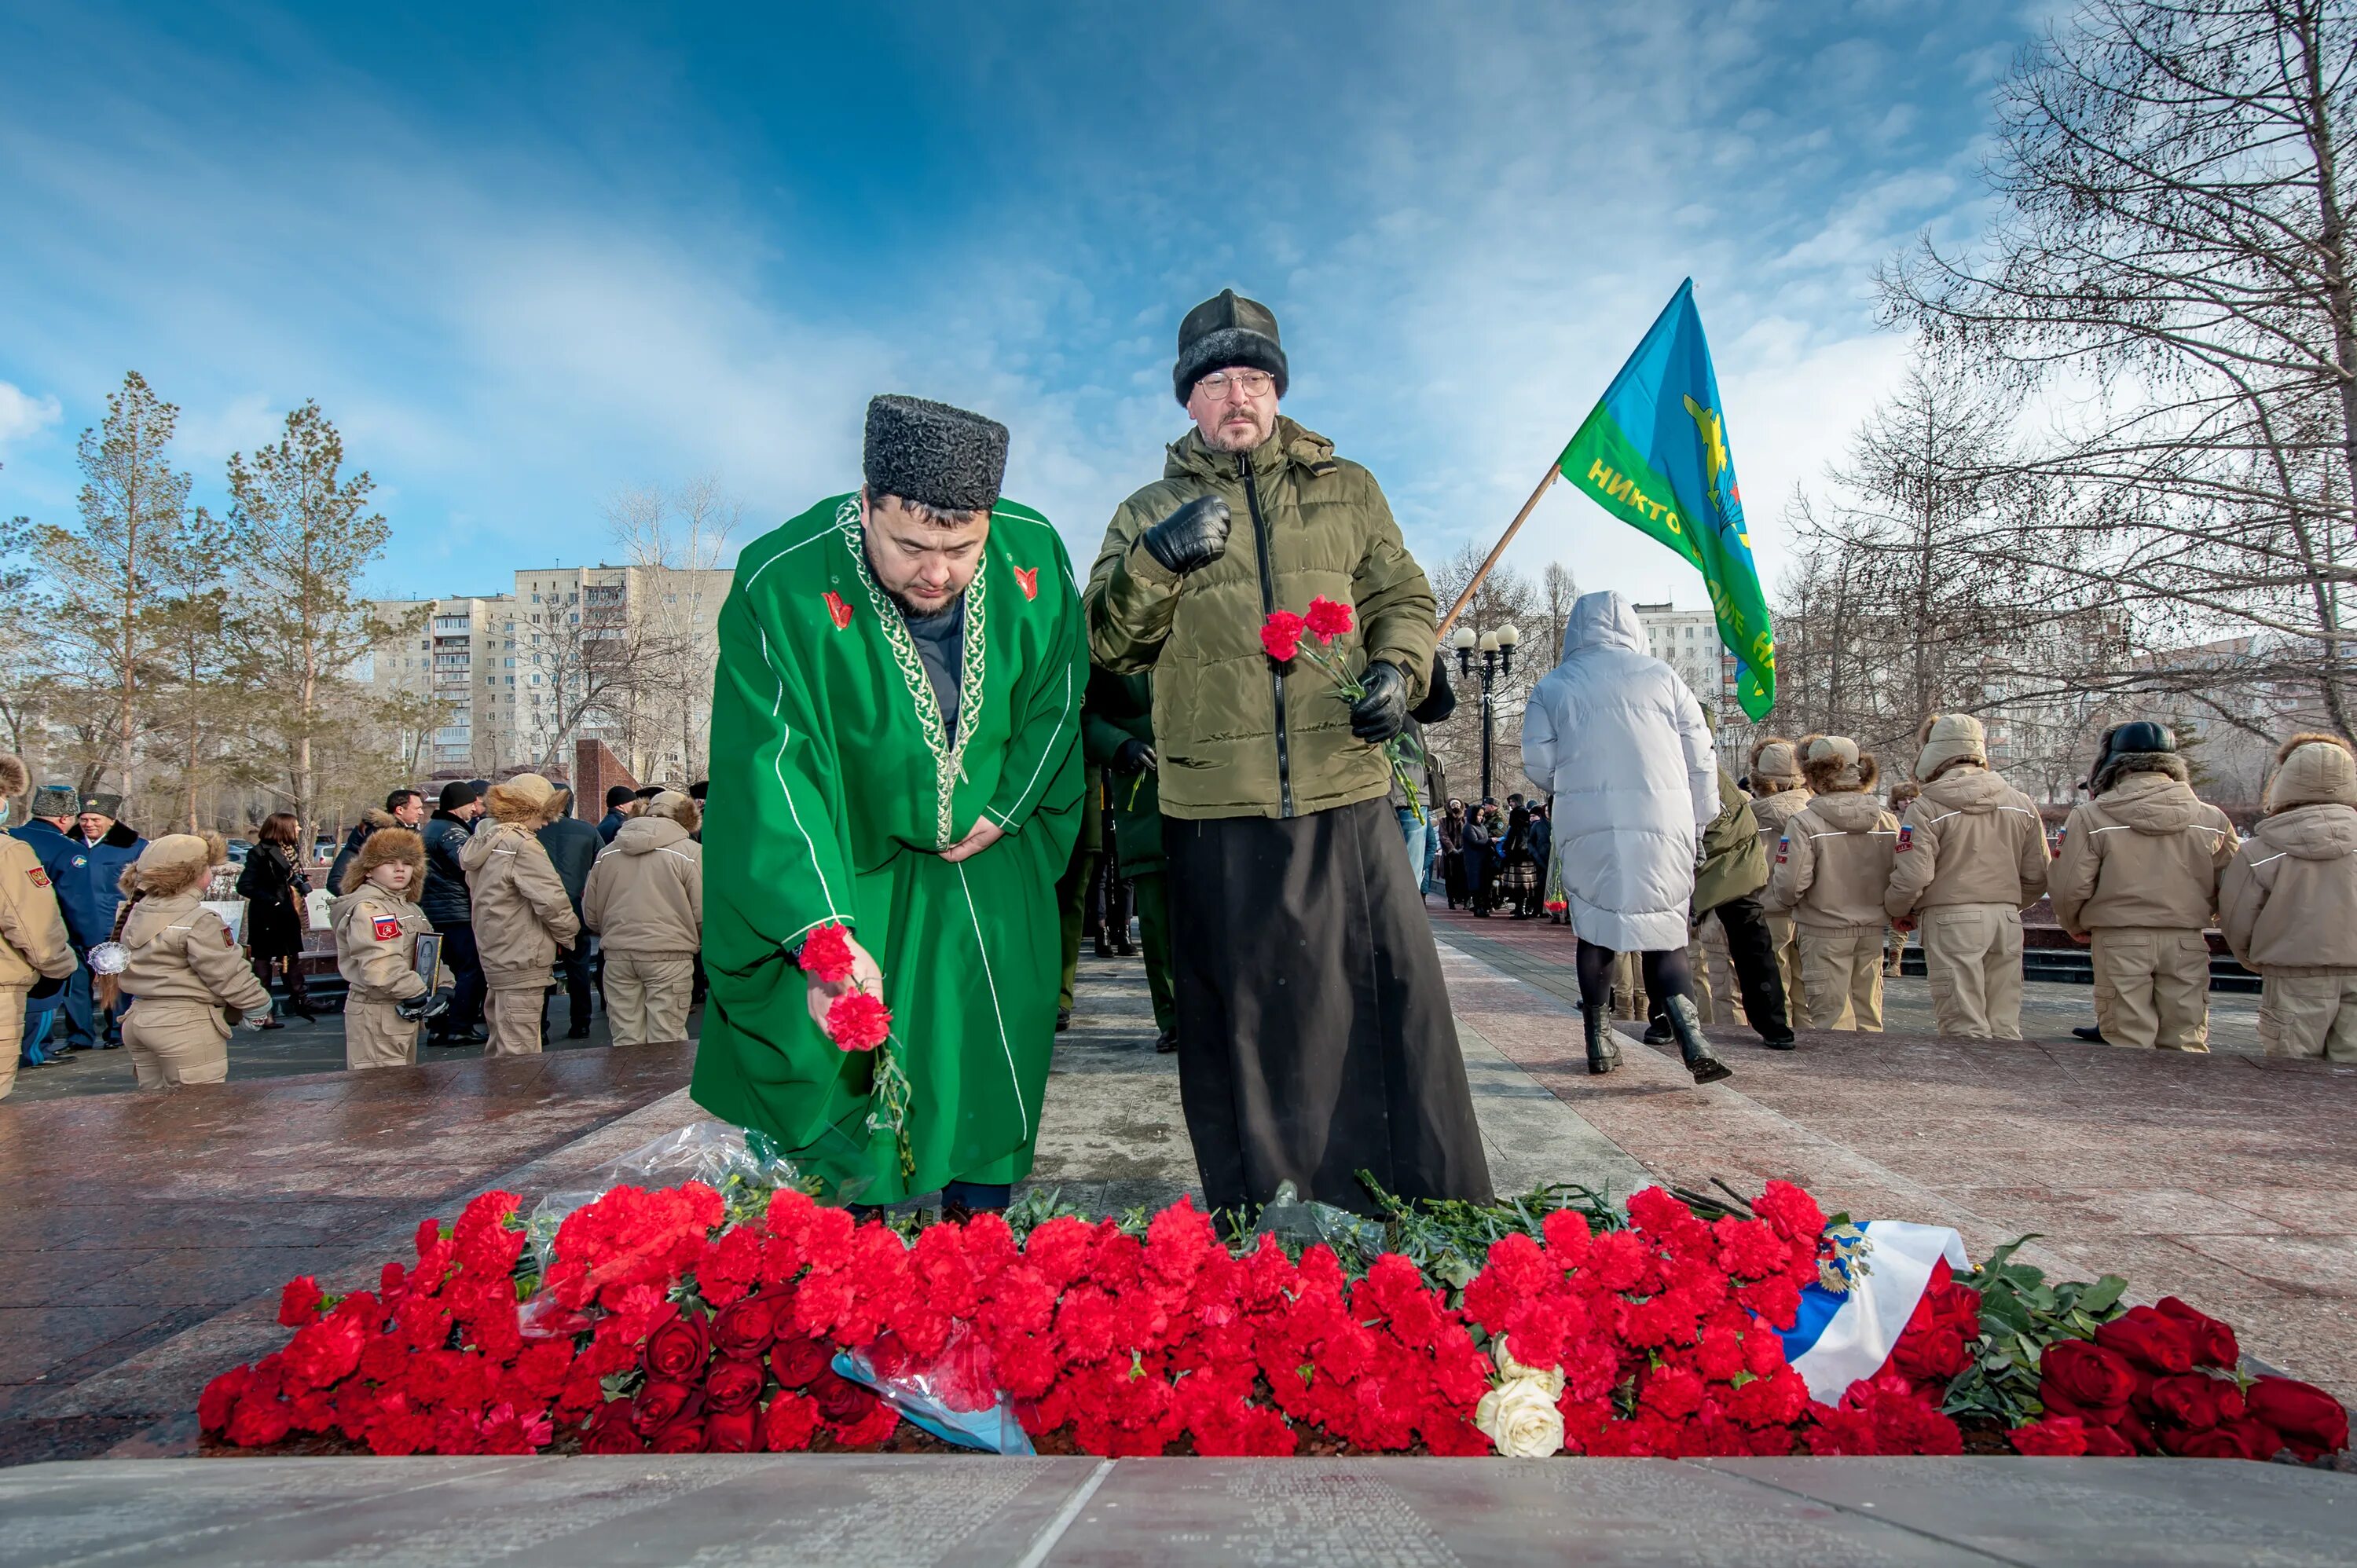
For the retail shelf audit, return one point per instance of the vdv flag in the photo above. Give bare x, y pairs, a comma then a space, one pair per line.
1653, 454
1841, 1336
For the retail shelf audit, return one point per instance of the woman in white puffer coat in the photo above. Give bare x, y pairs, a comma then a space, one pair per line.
1613, 735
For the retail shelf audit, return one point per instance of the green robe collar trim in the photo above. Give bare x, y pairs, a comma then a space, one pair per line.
949, 756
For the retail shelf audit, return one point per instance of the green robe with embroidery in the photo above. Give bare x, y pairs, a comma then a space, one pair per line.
834, 787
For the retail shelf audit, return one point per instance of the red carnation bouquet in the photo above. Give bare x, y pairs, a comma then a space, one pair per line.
1281, 637
858, 1020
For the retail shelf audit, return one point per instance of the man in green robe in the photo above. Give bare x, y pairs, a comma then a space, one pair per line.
895, 749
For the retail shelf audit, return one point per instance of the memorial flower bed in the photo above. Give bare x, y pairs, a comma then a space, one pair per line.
673, 1320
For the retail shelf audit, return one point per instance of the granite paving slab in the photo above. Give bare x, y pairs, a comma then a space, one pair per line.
820, 1511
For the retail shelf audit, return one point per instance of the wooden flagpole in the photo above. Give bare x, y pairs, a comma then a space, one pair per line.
1449, 620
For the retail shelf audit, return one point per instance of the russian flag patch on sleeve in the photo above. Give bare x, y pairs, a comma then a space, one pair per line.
388, 928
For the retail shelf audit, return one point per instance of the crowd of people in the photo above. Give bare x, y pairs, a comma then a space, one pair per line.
110, 940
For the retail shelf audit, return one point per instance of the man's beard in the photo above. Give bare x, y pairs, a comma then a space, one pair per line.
912, 610
1239, 439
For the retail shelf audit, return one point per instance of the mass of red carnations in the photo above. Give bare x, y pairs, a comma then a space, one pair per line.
659, 1325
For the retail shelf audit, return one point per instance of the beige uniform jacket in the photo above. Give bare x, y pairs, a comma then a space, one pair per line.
2143, 856
2288, 903
1772, 812
1834, 867
521, 915
180, 951
1971, 839
376, 943
645, 894
32, 931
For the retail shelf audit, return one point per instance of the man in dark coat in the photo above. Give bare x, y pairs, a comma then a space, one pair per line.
89, 895
573, 845
1117, 735
447, 904
621, 805
49, 830
403, 809
1315, 1038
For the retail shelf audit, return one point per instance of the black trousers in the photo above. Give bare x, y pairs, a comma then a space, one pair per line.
576, 965
1315, 1038
466, 966
1754, 951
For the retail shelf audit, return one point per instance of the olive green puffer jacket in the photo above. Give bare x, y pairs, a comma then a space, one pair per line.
1238, 734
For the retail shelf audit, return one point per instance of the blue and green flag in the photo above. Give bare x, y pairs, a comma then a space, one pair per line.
1653, 454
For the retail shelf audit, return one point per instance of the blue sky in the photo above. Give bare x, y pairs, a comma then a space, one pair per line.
528, 256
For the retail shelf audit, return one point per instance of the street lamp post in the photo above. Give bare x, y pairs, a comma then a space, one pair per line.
1497, 649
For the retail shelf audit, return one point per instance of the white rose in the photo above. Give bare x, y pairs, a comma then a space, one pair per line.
1520, 1419
1551, 1379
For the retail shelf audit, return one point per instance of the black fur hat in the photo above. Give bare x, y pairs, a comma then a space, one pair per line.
1227, 330
933, 454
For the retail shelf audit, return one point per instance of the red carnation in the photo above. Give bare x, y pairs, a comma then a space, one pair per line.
220, 1396
735, 1384
787, 1423
2079, 1379
1326, 619
258, 1422
1281, 634
798, 1360
299, 1304
677, 1349
858, 1021
2213, 1342
2057, 1437
2311, 1422
324, 1351
872, 1429
2148, 1339
827, 953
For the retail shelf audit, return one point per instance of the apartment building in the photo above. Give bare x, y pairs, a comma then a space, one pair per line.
619, 654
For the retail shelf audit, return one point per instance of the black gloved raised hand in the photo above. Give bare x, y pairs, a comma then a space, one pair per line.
433, 1004
1191, 537
1382, 712
1133, 757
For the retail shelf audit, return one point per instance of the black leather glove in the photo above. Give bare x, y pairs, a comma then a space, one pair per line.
1191, 537
1382, 712
417, 1009
1134, 756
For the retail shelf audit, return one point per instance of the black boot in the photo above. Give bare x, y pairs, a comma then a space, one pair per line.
1657, 1030
1686, 1024
1603, 1050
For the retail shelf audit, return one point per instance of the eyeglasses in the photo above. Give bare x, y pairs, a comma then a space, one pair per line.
1253, 382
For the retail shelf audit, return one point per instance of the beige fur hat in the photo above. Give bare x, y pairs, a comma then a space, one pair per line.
1774, 761
1833, 765
1948, 738
522, 799
387, 846
14, 776
677, 807
174, 864
2314, 769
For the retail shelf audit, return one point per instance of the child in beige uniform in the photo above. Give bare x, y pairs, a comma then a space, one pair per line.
377, 929
187, 979
1832, 870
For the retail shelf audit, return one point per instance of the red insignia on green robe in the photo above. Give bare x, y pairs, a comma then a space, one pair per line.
837, 610
1027, 579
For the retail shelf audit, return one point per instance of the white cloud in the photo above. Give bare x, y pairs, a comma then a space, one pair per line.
24, 416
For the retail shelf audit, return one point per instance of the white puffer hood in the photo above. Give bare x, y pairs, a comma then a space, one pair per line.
1602, 620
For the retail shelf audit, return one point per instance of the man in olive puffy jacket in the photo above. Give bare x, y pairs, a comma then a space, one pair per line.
1315, 1038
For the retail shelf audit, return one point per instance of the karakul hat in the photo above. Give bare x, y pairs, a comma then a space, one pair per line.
1227, 330
933, 454
1951, 738
2316, 770
56, 801
105, 805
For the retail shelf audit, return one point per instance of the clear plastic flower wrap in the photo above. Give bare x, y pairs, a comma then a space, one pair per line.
743, 1167
953, 1396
